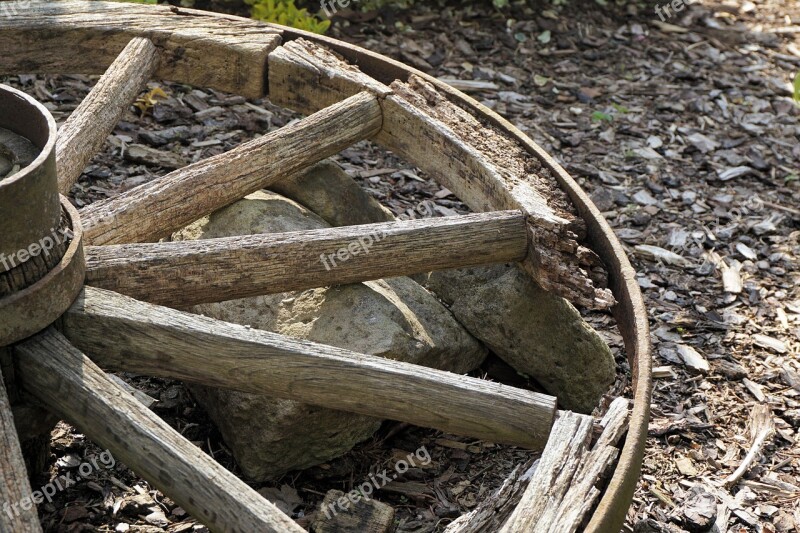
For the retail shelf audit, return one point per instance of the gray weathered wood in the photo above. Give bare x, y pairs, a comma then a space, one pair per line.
181, 274
59, 375
124, 334
86, 129
564, 488
485, 169
307, 77
559, 462
17, 510
154, 210
217, 51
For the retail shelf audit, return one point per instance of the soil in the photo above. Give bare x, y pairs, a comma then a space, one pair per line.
686, 137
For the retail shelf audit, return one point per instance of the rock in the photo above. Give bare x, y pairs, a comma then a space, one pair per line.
313, 189
395, 318
502, 307
603, 199
352, 513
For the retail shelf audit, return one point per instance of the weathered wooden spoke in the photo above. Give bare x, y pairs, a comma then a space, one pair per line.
124, 334
154, 210
18, 512
180, 274
71, 385
86, 129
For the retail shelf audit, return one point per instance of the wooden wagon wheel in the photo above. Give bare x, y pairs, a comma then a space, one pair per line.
348, 97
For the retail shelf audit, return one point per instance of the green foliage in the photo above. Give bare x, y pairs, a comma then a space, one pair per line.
598, 116
284, 12
797, 88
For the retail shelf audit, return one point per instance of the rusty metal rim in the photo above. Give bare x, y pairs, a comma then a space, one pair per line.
630, 312
33, 309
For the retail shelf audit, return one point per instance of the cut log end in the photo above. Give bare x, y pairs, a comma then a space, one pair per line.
562, 266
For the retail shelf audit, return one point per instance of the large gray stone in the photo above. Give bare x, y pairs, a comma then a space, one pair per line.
538, 333
344, 204
396, 318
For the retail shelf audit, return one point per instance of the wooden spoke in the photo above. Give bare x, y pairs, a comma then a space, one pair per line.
156, 209
125, 334
17, 509
221, 52
65, 380
181, 274
86, 129
483, 168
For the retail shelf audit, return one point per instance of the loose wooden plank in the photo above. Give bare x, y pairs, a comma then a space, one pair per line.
561, 458
128, 335
181, 274
484, 168
86, 129
222, 52
18, 511
563, 490
59, 375
154, 210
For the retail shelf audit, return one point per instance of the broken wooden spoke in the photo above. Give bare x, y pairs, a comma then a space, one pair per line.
128, 335
566, 484
68, 383
180, 274
156, 209
87, 128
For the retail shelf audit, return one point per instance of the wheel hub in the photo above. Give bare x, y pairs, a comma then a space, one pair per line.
41, 255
